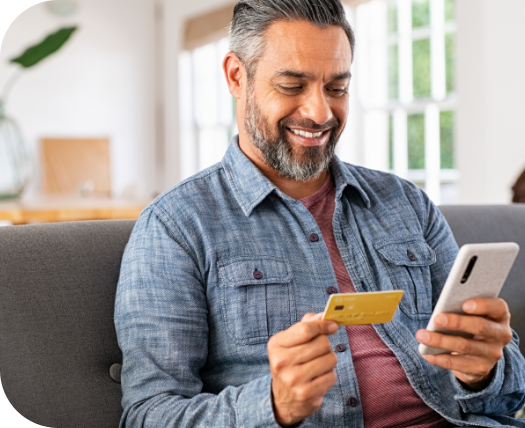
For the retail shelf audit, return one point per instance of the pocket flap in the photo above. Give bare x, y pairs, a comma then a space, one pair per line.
242, 271
412, 252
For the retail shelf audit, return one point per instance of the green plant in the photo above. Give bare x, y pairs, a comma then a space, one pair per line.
35, 54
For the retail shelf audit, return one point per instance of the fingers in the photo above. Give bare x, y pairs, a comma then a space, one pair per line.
476, 325
307, 372
466, 367
303, 400
315, 348
495, 309
324, 382
282, 357
304, 332
489, 351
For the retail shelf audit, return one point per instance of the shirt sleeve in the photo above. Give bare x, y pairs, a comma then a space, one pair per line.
506, 392
161, 323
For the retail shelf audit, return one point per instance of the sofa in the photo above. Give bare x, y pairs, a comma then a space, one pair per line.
59, 358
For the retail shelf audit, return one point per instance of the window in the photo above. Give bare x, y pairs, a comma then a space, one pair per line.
207, 109
405, 82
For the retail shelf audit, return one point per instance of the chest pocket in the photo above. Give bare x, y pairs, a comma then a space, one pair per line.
257, 297
408, 265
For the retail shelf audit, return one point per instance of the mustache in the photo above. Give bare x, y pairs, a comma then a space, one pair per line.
288, 122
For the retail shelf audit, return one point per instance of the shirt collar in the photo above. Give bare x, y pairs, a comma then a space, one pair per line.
343, 177
251, 187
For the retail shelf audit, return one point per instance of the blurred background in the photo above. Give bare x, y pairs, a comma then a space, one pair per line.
437, 97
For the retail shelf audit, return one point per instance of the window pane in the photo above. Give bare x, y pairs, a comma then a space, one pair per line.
393, 72
213, 143
416, 141
392, 17
205, 85
450, 58
391, 142
447, 139
450, 10
421, 60
420, 13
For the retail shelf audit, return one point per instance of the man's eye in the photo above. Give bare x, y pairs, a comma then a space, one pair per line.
338, 91
291, 88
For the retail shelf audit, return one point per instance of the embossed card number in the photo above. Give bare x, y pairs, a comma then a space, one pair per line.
362, 308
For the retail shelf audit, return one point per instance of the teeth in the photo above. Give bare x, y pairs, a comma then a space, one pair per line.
307, 134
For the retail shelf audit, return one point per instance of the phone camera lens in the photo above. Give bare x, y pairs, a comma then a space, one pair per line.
470, 266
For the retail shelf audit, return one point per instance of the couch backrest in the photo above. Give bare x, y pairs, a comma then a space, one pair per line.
494, 223
57, 339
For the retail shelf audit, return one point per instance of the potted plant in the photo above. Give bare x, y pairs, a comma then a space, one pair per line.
15, 161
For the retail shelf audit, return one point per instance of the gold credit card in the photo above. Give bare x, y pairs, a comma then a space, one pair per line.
375, 307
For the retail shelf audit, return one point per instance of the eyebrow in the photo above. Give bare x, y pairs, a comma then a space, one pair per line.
308, 76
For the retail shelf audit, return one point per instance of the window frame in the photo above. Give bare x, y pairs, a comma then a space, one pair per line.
372, 56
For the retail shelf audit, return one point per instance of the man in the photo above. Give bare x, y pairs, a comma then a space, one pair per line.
224, 274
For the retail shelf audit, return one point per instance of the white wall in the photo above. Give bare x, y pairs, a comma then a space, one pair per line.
99, 85
491, 87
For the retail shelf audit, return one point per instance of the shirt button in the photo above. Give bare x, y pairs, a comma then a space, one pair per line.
331, 290
340, 348
352, 401
411, 256
257, 275
314, 237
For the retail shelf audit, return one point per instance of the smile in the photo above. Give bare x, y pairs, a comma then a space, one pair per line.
307, 134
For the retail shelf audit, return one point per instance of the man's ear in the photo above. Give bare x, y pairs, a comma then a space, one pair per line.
235, 74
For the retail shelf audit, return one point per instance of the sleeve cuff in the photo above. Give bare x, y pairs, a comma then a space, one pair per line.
473, 401
255, 408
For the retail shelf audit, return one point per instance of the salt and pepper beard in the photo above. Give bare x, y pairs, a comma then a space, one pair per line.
277, 152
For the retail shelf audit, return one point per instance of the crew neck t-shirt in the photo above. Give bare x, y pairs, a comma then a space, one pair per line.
387, 398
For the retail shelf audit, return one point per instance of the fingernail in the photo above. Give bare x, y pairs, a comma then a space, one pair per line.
469, 306
332, 328
441, 320
422, 336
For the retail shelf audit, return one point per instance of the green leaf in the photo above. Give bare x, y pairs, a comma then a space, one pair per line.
48, 46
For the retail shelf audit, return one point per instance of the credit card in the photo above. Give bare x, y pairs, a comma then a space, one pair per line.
374, 307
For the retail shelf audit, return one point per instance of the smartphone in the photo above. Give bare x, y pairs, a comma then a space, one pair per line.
479, 271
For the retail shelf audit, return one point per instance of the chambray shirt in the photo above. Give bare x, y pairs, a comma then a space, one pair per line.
193, 320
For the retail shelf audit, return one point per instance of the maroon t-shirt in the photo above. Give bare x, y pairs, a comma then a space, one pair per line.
387, 398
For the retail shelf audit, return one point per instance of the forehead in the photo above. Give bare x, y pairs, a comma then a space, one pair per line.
303, 46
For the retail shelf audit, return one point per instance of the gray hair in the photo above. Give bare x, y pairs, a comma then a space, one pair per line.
251, 19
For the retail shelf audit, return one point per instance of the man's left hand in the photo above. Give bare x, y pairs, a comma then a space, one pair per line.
472, 360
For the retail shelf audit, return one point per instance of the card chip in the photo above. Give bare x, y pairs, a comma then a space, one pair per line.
339, 308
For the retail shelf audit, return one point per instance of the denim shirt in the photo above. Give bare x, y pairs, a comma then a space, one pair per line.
193, 321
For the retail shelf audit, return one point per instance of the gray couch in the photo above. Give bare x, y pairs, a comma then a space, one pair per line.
59, 358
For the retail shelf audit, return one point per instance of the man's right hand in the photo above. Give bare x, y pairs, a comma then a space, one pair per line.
302, 365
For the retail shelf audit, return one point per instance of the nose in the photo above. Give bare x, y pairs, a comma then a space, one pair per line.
316, 107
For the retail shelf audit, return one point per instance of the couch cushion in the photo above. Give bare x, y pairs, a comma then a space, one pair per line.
57, 339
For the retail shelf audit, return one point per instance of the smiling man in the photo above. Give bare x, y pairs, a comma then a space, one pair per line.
224, 276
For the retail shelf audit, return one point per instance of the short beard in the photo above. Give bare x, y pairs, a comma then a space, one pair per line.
277, 152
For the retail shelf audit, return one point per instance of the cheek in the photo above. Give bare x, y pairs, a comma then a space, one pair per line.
340, 109
277, 107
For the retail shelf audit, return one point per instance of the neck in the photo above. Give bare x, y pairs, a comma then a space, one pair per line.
293, 188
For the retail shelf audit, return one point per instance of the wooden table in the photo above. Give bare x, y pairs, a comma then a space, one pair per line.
49, 209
